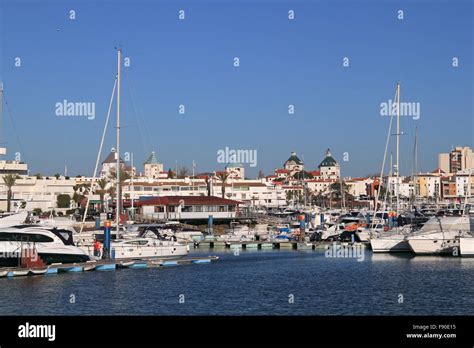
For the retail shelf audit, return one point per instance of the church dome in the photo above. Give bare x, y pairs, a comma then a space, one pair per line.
328, 161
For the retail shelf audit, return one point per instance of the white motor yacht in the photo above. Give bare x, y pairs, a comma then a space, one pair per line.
52, 245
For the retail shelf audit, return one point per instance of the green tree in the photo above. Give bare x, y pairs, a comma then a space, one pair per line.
9, 181
335, 189
171, 174
124, 175
64, 201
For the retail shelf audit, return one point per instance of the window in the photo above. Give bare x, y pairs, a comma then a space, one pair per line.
137, 242
198, 208
171, 208
159, 209
212, 208
222, 208
35, 238
187, 209
39, 238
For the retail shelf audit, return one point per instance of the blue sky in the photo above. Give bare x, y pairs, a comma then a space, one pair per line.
282, 62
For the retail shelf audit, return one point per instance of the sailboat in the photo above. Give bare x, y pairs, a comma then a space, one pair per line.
394, 240
142, 246
441, 235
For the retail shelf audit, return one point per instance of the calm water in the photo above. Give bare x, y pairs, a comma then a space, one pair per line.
256, 282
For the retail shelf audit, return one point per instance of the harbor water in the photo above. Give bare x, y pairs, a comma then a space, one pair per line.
256, 282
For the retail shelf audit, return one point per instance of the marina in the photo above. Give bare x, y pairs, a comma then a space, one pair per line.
179, 171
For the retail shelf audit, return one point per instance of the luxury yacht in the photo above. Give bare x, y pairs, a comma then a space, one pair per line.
52, 245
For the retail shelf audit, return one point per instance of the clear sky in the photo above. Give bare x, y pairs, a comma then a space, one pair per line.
282, 62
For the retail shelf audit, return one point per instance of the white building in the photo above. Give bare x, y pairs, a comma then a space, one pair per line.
462, 183
404, 186
109, 165
235, 171
188, 208
329, 168
153, 168
319, 186
358, 186
254, 193
293, 164
37, 193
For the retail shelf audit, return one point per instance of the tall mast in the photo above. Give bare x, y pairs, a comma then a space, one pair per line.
1, 105
398, 149
415, 165
387, 192
3, 150
117, 152
133, 190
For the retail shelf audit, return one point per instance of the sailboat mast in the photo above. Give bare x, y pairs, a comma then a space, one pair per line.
398, 149
117, 152
415, 170
133, 190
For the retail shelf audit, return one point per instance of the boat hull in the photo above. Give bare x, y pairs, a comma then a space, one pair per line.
466, 246
48, 258
389, 245
434, 246
364, 236
141, 252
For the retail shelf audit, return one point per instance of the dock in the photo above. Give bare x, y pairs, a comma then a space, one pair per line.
104, 265
269, 245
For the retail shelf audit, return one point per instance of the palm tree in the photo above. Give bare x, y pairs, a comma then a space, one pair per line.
223, 176
9, 181
339, 190
102, 184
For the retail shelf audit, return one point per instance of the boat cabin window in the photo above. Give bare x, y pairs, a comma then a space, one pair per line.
27, 237
137, 242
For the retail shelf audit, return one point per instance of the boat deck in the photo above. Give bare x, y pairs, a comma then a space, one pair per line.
104, 265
